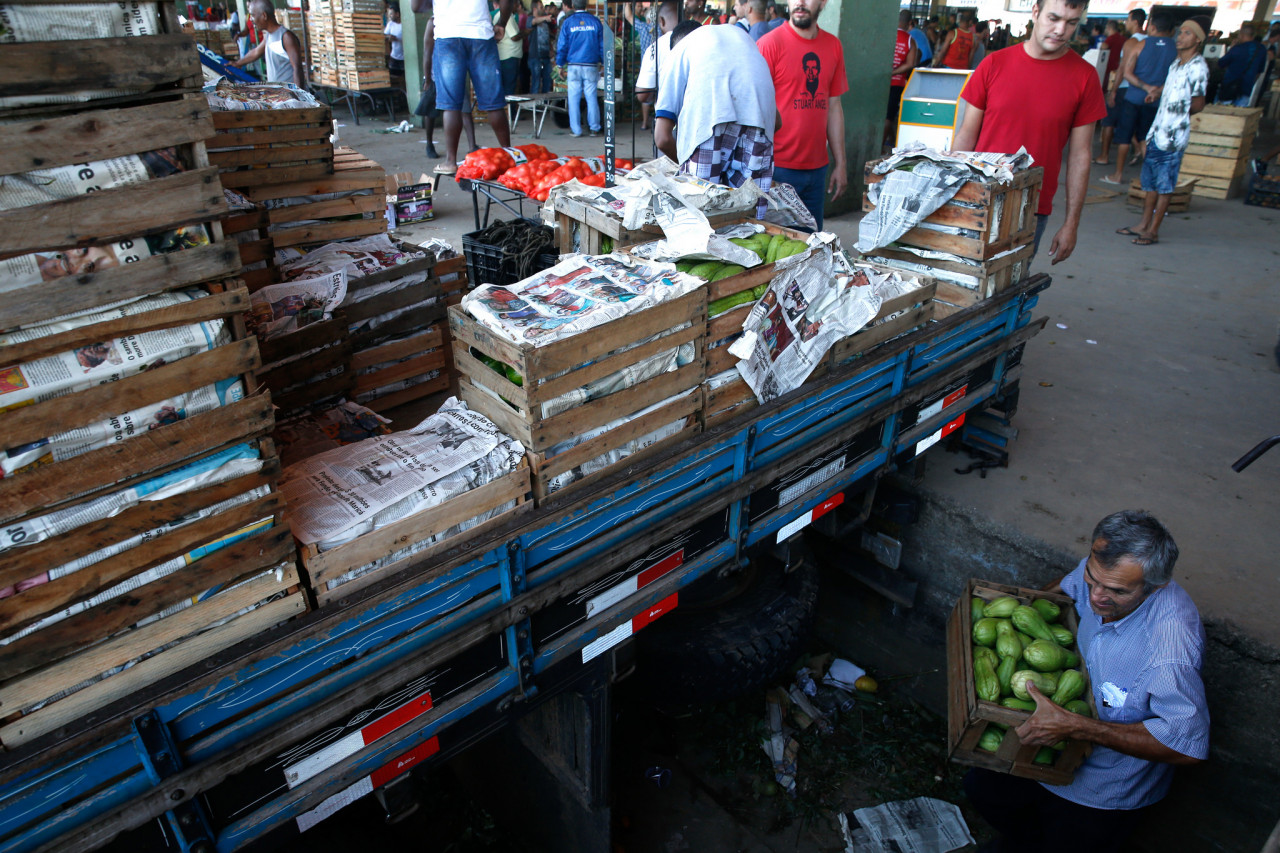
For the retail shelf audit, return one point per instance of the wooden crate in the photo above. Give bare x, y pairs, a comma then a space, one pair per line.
142, 69
580, 227
262, 140
1221, 120
325, 567
1180, 202
992, 276
109, 215
573, 362
968, 717
302, 368
1005, 220
913, 310
1218, 151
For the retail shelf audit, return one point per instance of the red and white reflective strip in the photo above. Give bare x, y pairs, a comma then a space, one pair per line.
947, 428
631, 585
366, 786
629, 628
791, 528
296, 774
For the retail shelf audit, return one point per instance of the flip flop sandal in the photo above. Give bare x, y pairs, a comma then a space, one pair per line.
1128, 232
1107, 179
1145, 241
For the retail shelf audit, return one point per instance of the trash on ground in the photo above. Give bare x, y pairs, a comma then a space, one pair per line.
843, 674
919, 825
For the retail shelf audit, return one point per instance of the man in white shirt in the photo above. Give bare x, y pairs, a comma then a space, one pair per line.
279, 48
656, 56
466, 44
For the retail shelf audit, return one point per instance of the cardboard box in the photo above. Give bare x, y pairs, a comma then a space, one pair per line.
409, 199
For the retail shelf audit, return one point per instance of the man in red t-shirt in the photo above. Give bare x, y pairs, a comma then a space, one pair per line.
1040, 95
905, 56
807, 64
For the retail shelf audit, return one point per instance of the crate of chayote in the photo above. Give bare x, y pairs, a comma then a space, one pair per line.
1000, 637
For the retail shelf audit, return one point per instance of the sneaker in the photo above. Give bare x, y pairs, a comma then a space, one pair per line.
576, 135
595, 133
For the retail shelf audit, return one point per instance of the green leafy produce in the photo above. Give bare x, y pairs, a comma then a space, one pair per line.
1044, 682
1029, 621
984, 652
1078, 706
1000, 608
1018, 704
1063, 635
606, 245
1047, 609
984, 632
1070, 686
984, 680
1047, 656
1007, 643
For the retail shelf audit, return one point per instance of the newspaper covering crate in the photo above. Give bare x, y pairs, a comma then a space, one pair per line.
589, 230
1179, 202
256, 147
960, 283
1000, 216
387, 546
140, 57
1217, 154
968, 717
561, 366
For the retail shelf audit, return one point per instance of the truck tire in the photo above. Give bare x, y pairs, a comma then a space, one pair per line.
729, 637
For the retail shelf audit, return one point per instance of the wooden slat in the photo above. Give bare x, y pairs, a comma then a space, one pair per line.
187, 653
407, 369
387, 402
307, 185
292, 154
308, 368
141, 208
60, 640
328, 232
350, 206
317, 135
259, 177
147, 453
230, 119
101, 134
40, 420
429, 339
139, 62
393, 300
307, 338
184, 313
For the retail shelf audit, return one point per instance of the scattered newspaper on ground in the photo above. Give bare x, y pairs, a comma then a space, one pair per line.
283, 308
918, 181
577, 294
920, 825
333, 492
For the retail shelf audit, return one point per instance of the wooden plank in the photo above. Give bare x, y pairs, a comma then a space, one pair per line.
258, 177
1212, 167
570, 353
208, 307
294, 187
311, 393
327, 232
728, 323
147, 453
408, 369
187, 653
431, 338
140, 208
387, 402
101, 134
350, 206
40, 420
306, 134
226, 565
138, 62
259, 157
307, 369
19, 564
313, 336
232, 119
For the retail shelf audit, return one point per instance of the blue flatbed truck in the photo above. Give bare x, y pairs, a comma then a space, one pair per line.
265, 740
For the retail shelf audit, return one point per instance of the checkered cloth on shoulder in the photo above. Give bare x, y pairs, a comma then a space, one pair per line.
733, 154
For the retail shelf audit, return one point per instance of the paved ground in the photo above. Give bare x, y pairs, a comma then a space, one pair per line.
1154, 374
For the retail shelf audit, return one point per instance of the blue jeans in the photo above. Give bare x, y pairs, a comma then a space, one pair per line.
1160, 170
510, 74
455, 58
810, 184
539, 74
583, 80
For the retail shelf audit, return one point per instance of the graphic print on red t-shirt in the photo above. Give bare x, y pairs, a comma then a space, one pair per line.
807, 73
1034, 103
900, 50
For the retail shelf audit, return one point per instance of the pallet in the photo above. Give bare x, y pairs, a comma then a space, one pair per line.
274, 138
316, 351
392, 543
1179, 201
581, 227
144, 69
1226, 121
991, 277
968, 717
110, 215
1005, 219
561, 366
1218, 152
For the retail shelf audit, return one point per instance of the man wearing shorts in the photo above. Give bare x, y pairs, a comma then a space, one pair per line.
1181, 97
465, 45
1144, 71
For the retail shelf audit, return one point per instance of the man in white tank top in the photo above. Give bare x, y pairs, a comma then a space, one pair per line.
279, 48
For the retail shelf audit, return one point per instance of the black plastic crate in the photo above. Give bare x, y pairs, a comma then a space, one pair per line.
1264, 191
488, 263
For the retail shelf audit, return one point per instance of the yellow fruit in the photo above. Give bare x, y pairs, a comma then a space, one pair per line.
866, 684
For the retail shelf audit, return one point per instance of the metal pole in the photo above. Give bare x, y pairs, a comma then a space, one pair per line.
610, 131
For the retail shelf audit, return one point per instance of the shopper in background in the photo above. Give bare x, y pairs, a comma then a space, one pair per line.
957, 49
1144, 67
905, 56
279, 49
921, 38
510, 51
1113, 41
1241, 66
656, 56
807, 64
981, 31
538, 44
465, 47
394, 35
580, 51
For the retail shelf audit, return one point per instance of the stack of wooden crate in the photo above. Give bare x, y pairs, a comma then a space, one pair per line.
1180, 202
1218, 152
218, 39
1000, 221
257, 147
113, 576
348, 47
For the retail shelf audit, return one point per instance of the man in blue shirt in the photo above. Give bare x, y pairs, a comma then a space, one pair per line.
581, 48
1144, 68
1240, 67
922, 41
1143, 644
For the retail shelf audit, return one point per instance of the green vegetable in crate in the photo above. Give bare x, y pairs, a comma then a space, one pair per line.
990, 740
747, 243
976, 606
1000, 608
775, 243
789, 248
985, 682
1047, 609
685, 266
1079, 706
759, 290
1018, 704
1045, 682
1004, 674
1007, 643
1029, 621
984, 632
606, 245
726, 271
1047, 656
706, 269
984, 652
733, 300
1063, 635
1026, 639
1070, 686
1044, 755
513, 375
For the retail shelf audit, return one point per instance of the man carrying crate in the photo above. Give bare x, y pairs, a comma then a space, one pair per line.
1141, 638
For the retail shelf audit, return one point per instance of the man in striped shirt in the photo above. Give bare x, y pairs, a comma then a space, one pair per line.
1142, 642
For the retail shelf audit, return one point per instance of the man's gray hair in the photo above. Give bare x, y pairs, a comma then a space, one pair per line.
1136, 534
579, 5
265, 5
759, 6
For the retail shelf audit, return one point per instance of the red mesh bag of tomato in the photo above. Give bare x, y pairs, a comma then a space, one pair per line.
485, 164
574, 168
536, 152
